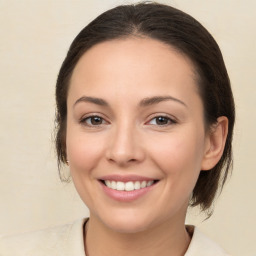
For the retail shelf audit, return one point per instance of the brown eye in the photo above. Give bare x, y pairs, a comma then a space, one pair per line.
96, 120
161, 120
93, 121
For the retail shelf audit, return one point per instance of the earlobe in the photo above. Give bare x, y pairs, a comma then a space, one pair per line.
215, 143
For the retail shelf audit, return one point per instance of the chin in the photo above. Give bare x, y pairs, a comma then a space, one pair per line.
127, 223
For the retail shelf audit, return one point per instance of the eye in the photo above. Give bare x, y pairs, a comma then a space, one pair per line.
161, 120
93, 121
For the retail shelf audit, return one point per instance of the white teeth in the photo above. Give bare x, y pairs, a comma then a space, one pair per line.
128, 186
143, 184
149, 183
113, 184
108, 183
136, 185
120, 185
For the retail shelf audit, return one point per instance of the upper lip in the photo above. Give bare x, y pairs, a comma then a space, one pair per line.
126, 178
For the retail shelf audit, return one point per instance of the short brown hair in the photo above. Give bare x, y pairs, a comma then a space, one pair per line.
188, 36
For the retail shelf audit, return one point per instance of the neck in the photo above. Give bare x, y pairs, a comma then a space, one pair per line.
168, 239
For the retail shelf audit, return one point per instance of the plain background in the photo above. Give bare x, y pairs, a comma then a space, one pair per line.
35, 36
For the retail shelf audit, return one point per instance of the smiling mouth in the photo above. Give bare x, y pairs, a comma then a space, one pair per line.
128, 186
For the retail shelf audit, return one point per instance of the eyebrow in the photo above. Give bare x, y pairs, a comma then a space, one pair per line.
157, 99
143, 103
97, 101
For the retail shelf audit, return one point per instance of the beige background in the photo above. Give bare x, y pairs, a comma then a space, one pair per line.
35, 36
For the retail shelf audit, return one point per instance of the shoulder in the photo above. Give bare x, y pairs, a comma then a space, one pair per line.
62, 240
201, 245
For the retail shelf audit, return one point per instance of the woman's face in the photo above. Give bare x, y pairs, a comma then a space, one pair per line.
135, 119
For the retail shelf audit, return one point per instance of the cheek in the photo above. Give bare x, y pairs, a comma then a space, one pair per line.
83, 151
179, 156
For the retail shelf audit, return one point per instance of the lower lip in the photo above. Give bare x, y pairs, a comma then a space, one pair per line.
126, 196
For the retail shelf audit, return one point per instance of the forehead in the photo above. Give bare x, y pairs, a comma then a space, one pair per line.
133, 65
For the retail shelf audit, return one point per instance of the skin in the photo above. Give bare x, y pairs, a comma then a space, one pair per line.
128, 139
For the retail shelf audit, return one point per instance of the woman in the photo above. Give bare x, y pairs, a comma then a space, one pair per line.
145, 116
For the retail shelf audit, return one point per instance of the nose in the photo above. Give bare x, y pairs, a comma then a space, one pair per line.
125, 146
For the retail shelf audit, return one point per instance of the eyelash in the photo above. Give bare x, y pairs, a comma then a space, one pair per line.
85, 119
170, 121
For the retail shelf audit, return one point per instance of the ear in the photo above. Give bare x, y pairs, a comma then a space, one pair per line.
215, 143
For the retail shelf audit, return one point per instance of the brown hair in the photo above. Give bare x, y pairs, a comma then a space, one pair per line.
186, 35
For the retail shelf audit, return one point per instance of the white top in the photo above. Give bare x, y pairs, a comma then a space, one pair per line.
68, 241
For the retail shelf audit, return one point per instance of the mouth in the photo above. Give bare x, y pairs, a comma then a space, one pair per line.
128, 186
